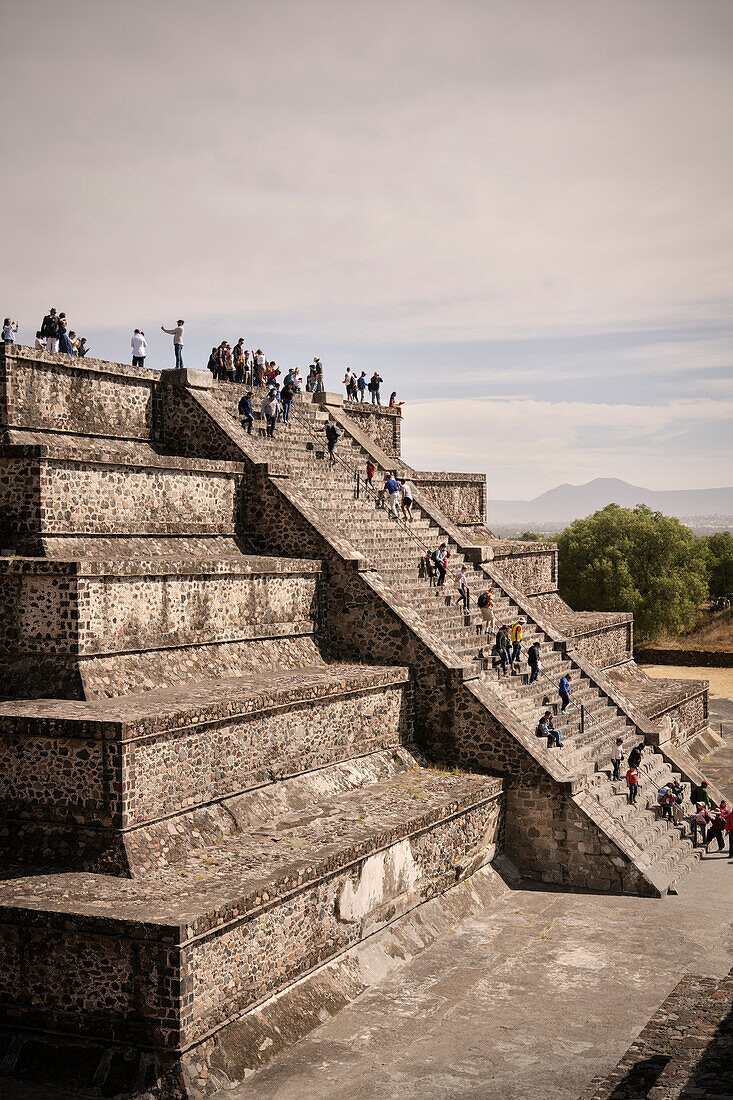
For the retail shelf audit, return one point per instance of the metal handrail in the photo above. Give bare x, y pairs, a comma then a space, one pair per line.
586, 713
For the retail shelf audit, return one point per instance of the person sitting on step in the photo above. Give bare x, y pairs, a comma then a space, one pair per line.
546, 729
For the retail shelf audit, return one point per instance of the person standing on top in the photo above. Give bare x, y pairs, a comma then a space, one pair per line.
286, 398
617, 755
177, 334
407, 501
374, 383
82, 347
10, 331
50, 331
392, 489
260, 366
65, 345
245, 411
533, 660
238, 360
139, 346
348, 383
361, 385
318, 372
272, 377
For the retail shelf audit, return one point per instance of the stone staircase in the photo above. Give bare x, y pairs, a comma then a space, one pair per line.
395, 549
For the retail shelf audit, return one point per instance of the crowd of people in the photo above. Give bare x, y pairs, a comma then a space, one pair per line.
54, 335
227, 362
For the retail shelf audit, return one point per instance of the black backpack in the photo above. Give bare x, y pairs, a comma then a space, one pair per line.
483, 599
50, 327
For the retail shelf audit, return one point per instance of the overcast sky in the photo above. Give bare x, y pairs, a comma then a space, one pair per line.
518, 210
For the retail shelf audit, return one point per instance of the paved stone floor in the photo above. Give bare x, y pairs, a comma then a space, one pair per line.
528, 1002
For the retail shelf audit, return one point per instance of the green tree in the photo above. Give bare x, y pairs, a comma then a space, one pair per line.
720, 565
623, 559
530, 536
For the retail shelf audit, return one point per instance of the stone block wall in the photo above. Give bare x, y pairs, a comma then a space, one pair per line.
61, 615
461, 497
529, 566
87, 765
683, 720
91, 607
553, 840
606, 645
44, 392
42, 494
382, 424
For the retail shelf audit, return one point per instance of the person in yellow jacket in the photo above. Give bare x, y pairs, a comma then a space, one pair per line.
516, 637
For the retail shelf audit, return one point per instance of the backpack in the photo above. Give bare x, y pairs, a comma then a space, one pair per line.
362, 383
483, 599
373, 387
50, 327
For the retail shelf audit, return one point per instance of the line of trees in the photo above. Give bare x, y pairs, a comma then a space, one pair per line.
636, 559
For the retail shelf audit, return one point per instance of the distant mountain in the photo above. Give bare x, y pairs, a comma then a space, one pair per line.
568, 502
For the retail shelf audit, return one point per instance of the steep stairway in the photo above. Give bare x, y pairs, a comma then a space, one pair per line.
396, 549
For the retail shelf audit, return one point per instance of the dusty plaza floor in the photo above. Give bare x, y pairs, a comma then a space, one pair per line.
529, 1001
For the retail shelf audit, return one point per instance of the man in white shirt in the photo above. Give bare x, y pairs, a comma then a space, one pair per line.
177, 334
139, 347
270, 411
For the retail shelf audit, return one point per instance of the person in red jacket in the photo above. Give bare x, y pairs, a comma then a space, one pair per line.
632, 781
717, 829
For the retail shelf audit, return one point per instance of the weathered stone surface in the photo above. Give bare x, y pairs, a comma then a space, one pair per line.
686, 1049
461, 496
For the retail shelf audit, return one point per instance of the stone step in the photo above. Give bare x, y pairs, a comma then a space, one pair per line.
113, 777
285, 894
80, 487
